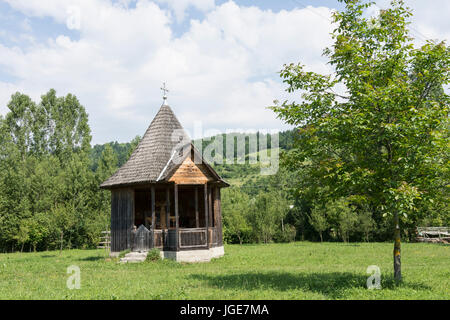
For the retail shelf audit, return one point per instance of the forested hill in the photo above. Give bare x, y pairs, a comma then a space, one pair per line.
121, 150
124, 150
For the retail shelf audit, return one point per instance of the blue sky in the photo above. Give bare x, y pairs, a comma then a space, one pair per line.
219, 58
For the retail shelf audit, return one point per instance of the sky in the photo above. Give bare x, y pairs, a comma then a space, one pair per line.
219, 59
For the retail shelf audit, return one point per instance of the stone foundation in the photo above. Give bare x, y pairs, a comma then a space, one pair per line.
204, 255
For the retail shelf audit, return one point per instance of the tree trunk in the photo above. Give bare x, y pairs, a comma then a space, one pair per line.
397, 261
61, 246
320, 234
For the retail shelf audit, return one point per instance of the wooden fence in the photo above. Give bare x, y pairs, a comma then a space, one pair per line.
144, 239
433, 234
105, 240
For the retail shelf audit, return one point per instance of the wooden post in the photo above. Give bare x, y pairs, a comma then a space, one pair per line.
197, 222
153, 215
133, 209
205, 193
167, 207
145, 218
130, 218
176, 217
210, 208
218, 214
397, 259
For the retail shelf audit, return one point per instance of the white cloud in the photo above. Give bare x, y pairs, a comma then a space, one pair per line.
221, 70
179, 7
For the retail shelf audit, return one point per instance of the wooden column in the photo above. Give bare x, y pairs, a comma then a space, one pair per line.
205, 193
145, 217
131, 219
218, 214
210, 208
177, 245
167, 207
153, 214
133, 213
197, 222
114, 229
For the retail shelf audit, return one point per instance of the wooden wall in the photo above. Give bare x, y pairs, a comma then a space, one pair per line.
122, 216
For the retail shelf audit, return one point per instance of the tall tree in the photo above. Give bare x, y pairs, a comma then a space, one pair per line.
45, 179
19, 121
376, 127
65, 123
107, 165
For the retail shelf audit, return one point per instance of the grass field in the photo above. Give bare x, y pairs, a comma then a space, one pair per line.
300, 270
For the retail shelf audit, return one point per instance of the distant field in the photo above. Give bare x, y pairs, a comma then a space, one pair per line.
300, 270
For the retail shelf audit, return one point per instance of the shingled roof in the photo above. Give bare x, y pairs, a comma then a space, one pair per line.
157, 154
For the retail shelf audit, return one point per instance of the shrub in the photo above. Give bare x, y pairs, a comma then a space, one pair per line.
288, 235
153, 255
123, 253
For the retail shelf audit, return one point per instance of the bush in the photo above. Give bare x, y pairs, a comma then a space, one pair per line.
123, 253
153, 255
288, 235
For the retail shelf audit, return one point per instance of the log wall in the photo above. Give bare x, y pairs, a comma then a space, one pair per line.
122, 216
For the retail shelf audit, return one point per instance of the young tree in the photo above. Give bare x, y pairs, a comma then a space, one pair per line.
347, 218
318, 220
365, 223
386, 131
265, 214
235, 207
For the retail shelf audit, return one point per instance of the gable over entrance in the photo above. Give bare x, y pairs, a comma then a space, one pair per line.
190, 173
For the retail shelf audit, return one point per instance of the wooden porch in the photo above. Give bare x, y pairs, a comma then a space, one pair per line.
170, 217
167, 240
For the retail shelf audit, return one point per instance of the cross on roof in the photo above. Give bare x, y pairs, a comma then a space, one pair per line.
165, 90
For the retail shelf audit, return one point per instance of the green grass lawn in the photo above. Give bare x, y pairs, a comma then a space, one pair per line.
300, 270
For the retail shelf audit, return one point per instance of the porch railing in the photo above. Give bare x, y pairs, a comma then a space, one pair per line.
188, 238
158, 239
192, 238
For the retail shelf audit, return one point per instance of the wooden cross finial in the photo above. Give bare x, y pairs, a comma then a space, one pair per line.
165, 90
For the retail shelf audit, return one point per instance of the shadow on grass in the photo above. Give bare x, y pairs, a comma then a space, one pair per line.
331, 285
92, 258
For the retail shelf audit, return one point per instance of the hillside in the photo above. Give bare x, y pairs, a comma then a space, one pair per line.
234, 173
